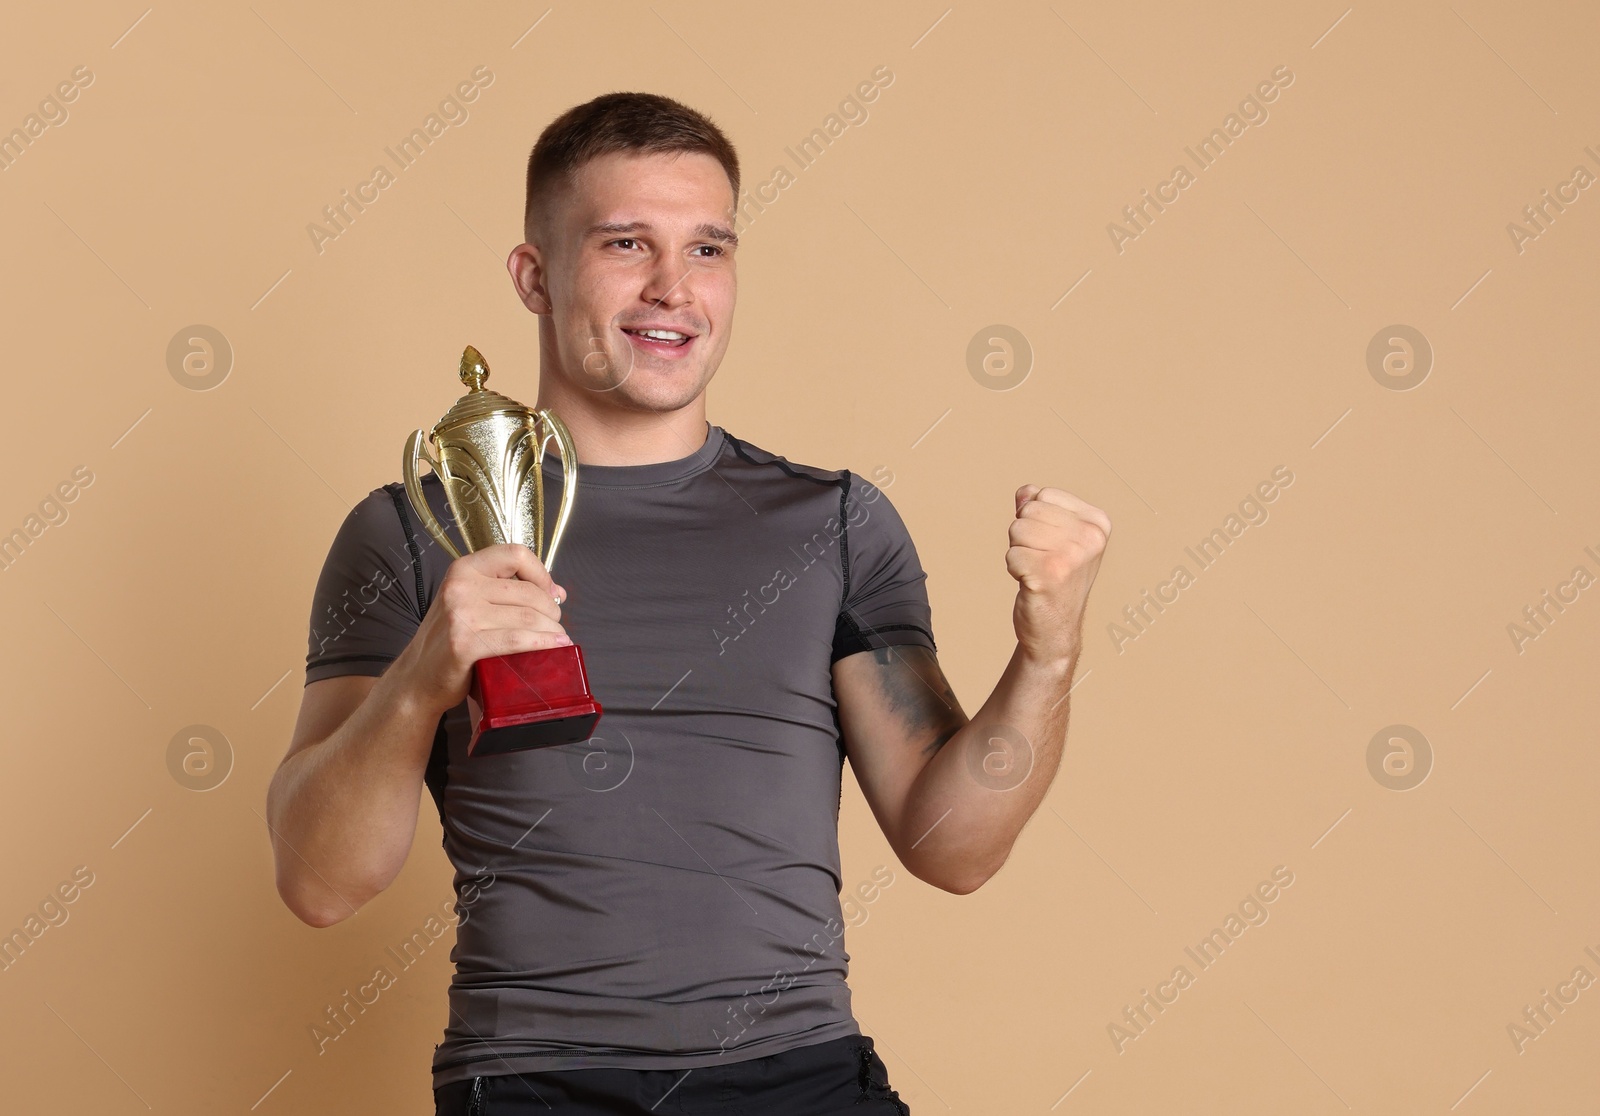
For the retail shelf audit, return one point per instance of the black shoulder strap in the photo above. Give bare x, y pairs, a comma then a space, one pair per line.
397, 494
437, 773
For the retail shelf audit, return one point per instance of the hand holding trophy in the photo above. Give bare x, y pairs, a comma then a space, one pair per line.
490, 459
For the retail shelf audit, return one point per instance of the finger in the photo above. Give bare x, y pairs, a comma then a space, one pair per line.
514, 641
1084, 509
506, 613
1024, 494
1062, 499
1046, 512
510, 560
1035, 534
1023, 563
511, 591
484, 619
495, 618
1072, 527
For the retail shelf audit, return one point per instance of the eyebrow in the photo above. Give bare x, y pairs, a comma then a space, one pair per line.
618, 228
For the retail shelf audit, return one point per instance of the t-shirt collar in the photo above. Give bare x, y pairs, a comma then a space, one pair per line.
656, 472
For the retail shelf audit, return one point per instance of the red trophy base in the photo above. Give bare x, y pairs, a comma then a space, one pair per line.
534, 699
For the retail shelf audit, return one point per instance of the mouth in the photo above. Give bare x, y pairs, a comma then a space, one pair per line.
668, 343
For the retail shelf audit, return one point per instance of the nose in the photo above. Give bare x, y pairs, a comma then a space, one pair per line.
668, 285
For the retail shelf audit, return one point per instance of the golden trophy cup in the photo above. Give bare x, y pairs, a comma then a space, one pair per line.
489, 455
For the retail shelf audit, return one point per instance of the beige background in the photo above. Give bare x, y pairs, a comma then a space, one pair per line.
1227, 340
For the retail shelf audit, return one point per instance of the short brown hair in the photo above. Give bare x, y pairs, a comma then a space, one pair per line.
646, 123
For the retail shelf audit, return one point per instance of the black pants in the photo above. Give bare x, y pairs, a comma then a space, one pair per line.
844, 1076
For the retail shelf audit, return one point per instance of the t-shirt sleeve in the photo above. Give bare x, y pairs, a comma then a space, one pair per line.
885, 595
368, 600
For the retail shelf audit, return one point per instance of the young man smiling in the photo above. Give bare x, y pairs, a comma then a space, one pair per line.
663, 934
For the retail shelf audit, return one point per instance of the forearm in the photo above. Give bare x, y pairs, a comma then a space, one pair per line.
343, 812
972, 798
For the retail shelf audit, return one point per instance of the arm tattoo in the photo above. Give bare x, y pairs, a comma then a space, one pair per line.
919, 695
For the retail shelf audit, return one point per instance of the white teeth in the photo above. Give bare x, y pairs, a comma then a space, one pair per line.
660, 334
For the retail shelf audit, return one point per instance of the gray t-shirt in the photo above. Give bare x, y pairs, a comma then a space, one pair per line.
666, 894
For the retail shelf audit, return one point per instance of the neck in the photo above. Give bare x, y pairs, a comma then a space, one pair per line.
605, 434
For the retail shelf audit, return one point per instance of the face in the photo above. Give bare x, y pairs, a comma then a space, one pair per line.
632, 273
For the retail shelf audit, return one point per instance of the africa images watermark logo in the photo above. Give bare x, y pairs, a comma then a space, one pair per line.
1540, 214
1140, 616
53, 911
1537, 618
340, 1016
745, 613
852, 112
52, 513
199, 757
1252, 113
1139, 1016
452, 113
1539, 1015
52, 113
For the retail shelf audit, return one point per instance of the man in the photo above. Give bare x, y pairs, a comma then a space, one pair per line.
650, 921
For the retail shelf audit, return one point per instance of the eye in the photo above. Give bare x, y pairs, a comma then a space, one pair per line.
623, 240
715, 249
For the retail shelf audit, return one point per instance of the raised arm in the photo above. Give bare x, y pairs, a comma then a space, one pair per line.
342, 806
952, 793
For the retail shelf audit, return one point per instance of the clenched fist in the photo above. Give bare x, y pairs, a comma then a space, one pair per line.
1056, 544
496, 601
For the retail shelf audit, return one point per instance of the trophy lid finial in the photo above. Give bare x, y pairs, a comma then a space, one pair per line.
481, 402
474, 369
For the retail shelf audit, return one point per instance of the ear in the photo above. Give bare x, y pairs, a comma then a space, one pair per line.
526, 266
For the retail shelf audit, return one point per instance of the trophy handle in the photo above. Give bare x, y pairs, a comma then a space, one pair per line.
419, 503
557, 429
